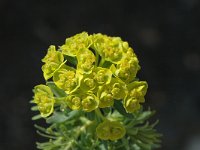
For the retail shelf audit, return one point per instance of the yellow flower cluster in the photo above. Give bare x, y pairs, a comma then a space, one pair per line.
105, 72
90, 84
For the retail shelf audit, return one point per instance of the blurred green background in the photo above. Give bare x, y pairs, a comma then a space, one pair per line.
164, 34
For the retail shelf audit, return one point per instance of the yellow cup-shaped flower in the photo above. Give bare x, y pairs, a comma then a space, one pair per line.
110, 48
117, 130
103, 131
44, 99
90, 103
86, 61
75, 43
74, 102
88, 83
128, 68
53, 55
106, 100
43, 89
103, 75
110, 130
118, 89
53, 61
131, 104
106, 93
105, 96
67, 80
138, 90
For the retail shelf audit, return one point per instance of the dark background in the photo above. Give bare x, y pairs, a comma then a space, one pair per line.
165, 35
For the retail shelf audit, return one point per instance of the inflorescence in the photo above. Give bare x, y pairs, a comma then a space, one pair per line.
93, 71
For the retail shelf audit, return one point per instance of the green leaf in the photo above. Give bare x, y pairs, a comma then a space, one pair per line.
106, 110
56, 91
72, 60
90, 115
36, 117
46, 135
142, 116
118, 105
145, 115
32, 101
59, 117
107, 64
40, 128
34, 108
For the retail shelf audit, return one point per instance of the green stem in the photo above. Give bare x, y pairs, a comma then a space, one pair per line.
101, 62
97, 58
99, 114
46, 135
59, 100
81, 129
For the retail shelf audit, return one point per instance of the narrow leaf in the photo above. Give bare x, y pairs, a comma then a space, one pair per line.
36, 117
57, 92
118, 105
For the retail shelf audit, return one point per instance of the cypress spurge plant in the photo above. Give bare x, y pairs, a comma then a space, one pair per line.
92, 99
